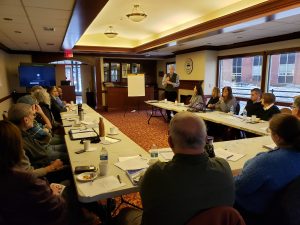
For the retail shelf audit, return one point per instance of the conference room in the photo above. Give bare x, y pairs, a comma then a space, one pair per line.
122, 77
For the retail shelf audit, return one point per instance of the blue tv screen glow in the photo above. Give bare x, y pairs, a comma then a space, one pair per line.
42, 75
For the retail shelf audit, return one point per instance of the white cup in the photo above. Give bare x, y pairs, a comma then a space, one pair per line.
113, 130
87, 145
166, 100
103, 169
176, 103
253, 118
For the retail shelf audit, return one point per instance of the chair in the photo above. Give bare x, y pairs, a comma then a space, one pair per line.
221, 215
237, 108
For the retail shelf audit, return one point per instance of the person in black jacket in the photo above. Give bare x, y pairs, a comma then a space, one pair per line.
56, 108
269, 109
214, 98
254, 106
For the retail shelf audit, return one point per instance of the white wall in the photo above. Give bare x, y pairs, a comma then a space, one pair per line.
9, 79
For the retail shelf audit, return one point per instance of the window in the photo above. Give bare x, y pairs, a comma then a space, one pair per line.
237, 70
240, 73
284, 78
286, 68
106, 72
256, 69
114, 72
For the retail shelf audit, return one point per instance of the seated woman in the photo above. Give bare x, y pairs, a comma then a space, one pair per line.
269, 109
197, 102
269, 172
25, 199
214, 98
227, 101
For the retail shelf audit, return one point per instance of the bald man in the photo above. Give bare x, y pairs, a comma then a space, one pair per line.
170, 82
173, 192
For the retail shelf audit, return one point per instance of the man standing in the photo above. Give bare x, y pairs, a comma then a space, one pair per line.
254, 106
296, 107
170, 82
173, 192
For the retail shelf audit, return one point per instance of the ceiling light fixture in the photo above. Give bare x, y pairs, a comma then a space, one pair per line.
137, 14
110, 33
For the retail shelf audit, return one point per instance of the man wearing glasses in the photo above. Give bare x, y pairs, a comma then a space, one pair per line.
296, 107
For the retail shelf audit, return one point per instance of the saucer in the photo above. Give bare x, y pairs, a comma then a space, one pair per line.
113, 133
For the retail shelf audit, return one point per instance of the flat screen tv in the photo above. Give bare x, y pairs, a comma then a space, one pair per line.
34, 74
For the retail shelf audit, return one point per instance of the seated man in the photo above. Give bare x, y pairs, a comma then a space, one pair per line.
56, 108
173, 192
254, 106
22, 115
296, 107
269, 109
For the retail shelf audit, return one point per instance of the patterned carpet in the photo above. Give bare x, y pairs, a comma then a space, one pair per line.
135, 126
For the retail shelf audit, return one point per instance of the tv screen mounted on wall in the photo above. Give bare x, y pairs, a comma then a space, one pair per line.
36, 74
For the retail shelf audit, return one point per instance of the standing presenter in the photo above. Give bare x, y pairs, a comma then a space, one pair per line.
170, 82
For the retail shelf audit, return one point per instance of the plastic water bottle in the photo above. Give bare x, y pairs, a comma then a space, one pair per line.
245, 114
231, 110
153, 154
103, 165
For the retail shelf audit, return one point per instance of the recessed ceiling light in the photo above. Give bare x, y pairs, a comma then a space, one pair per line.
17, 32
50, 44
49, 28
7, 19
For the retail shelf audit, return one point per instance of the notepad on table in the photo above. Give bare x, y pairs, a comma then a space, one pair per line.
76, 134
228, 155
133, 164
101, 185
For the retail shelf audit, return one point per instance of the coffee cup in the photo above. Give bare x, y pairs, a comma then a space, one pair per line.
87, 144
113, 130
253, 118
176, 103
166, 100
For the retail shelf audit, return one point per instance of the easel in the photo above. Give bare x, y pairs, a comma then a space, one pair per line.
136, 89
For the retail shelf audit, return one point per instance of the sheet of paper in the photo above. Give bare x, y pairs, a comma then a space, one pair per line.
228, 155
122, 159
108, 140
84, 135
167, 155
270, 146
100, 185
133, 164
64, 115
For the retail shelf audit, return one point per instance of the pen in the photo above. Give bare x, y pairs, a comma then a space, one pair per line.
228, 157
119, 178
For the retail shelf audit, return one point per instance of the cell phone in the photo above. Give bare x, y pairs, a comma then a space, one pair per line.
80, 151
82, 169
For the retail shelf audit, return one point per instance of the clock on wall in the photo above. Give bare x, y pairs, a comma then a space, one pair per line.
188, 65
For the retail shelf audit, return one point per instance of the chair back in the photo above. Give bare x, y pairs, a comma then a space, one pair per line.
221, 215
237, 108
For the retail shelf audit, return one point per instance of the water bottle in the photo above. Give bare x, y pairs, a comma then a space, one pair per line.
80, 113
245, 114
103, 164
231, 110
153, 154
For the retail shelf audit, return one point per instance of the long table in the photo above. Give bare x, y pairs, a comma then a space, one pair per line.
234, 121
126, 147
